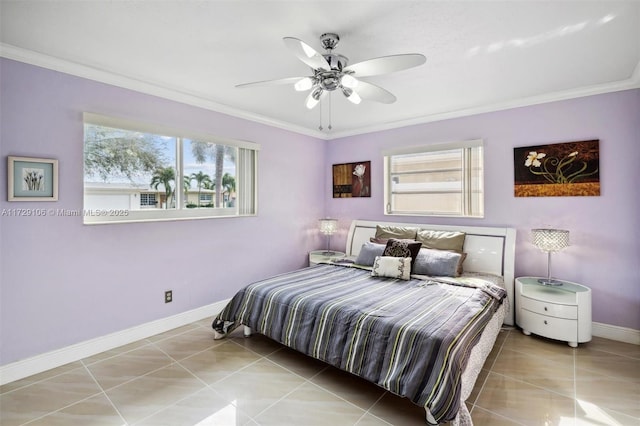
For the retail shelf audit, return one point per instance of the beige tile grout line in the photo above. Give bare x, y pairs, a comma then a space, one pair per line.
42, 380
373, 405
84, 364
575, 384
509, 330
104, 393
101, 391
305, 380
210, 386
206, 385
367, 411
174, 361
85, 367
149, 342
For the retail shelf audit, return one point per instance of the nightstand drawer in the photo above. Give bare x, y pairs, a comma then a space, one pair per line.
554, 328
549, 309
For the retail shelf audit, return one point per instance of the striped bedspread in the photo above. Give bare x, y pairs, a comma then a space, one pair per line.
412, 337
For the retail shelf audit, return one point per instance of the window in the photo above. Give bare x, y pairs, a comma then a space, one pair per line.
148, 200
141, 172
437, 180
206, 198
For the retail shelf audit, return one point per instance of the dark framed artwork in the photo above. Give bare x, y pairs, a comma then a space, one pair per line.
32, 179
557, 170
352, 180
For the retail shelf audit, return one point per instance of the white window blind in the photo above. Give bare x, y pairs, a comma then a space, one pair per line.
435, 180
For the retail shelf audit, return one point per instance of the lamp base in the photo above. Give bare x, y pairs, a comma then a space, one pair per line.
549, 281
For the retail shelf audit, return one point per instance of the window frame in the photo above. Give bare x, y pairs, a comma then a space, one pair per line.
467, 146
246, 185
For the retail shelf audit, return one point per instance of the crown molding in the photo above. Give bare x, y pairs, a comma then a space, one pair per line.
636, 75
67, 67
631, 83
49, 62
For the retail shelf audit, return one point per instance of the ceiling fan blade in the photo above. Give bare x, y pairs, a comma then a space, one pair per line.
386, 64
306, 53
371, 92
288, 80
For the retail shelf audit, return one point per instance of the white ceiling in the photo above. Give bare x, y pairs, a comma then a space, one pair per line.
481, 55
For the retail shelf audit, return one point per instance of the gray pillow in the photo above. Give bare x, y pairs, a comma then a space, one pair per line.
368, 253
438, 263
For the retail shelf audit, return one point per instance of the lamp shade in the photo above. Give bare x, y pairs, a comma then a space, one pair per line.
328, 226
550, 239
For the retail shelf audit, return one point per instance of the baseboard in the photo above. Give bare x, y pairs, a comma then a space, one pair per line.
614, 332
46, 361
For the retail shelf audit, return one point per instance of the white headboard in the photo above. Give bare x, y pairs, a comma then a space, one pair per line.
489, 250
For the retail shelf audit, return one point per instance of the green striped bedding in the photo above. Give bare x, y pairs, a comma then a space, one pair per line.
412, 338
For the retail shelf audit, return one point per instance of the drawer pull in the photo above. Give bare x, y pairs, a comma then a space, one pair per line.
545, 309
545, 322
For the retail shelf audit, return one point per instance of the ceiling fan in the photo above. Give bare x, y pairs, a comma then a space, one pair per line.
331, 72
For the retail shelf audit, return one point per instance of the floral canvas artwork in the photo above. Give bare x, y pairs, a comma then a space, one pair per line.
352, 180
562, 169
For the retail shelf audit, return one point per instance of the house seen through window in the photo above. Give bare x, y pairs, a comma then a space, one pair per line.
437, 180
135, 172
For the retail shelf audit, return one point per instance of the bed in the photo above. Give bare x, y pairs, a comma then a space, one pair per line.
423, 337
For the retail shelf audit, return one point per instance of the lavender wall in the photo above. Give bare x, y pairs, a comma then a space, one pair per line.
605, 230
63, 282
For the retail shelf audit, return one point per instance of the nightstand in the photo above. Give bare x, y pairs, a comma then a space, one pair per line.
321, 256
558, 312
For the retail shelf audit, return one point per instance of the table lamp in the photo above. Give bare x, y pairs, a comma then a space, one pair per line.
328, 227
550, 240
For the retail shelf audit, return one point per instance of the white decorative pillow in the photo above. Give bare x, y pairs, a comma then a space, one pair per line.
392, 267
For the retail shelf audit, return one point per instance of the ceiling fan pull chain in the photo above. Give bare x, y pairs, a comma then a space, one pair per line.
329, 97
320, 108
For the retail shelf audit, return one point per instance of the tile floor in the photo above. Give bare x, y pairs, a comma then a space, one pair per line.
184, 377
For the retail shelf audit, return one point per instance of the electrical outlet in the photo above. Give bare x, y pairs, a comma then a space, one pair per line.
168, 296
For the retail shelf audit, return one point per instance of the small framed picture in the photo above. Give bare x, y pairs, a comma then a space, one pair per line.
32, 179
352, 180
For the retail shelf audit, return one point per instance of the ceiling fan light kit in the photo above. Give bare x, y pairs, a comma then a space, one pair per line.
332, 72
314, 97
